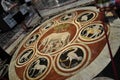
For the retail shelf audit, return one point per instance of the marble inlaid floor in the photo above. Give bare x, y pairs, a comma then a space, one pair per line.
70, 46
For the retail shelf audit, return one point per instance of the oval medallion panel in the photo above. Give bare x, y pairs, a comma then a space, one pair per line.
56, 38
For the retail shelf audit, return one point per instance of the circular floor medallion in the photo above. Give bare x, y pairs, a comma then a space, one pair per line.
86, 16
32, 40
25, 57
91, 32
38, 69
47, 25
68, 17
72, 59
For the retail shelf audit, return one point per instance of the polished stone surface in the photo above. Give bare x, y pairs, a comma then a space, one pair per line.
92, 58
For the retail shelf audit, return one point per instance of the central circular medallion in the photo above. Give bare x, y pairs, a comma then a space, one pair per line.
56, 38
